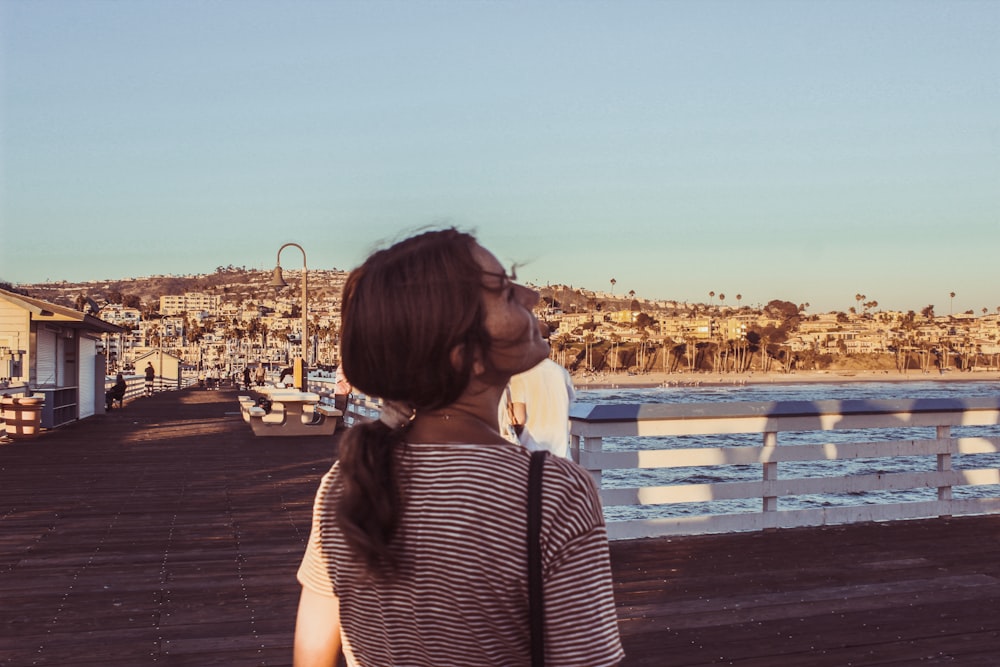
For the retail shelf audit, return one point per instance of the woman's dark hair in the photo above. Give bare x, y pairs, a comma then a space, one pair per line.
404, 312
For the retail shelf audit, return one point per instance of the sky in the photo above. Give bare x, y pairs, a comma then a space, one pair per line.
808, 151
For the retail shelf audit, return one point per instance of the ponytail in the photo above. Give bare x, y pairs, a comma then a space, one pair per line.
369, 509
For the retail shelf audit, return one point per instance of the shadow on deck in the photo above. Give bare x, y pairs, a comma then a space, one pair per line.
165, 532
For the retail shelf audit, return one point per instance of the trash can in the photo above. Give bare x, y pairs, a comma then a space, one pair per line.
22, 415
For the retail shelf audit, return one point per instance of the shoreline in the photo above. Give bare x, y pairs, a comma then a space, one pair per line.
703, 379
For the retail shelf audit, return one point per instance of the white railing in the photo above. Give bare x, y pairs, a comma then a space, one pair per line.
618, 438
136, 384
362, 408
634, 441
359, 406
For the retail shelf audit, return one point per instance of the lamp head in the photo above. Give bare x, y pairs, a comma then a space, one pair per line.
277, 281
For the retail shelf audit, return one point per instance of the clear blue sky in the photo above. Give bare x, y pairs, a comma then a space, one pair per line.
804, 150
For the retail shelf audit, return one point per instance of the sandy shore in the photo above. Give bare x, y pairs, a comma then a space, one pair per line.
657, 379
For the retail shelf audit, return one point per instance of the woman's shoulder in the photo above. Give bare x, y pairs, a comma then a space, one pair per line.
560, 477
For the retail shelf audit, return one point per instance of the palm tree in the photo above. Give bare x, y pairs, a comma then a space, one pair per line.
952, 303
720, 356
691, 351
739, 297
743, 348
559, 349
643, 342
764, 358
613, 283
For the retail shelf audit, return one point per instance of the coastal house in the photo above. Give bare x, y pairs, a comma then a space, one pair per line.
52, 350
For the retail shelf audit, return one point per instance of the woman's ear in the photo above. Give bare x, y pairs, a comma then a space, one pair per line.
457, 358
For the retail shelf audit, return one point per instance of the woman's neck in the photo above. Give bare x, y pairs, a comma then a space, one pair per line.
472, 418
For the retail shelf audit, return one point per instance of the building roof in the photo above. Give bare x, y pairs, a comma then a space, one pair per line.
157, 353
43, 311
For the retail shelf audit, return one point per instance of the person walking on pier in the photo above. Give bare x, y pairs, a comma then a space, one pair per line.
418, 553
150, 378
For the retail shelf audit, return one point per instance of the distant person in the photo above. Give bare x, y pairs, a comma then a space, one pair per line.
418, 552
150, 378
116, 393
540, 400
260, 375
341, 389
246, 378
341, 393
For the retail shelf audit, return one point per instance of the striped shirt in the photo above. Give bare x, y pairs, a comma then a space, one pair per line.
461, 595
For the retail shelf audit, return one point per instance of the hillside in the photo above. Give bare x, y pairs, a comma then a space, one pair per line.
234, 284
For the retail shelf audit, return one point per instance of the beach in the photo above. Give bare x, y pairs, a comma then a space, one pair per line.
688, 379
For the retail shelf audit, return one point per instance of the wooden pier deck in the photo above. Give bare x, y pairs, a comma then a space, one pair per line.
165, 533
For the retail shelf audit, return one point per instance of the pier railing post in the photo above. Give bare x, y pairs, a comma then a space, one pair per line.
944, 465
595, 445
770, 503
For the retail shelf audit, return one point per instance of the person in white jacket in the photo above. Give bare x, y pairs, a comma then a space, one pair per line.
540, 399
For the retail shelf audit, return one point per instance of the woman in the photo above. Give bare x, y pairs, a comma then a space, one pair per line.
418, 549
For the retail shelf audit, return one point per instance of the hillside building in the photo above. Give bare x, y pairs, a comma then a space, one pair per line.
190, 302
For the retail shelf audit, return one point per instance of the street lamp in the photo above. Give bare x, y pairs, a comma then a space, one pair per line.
277, 282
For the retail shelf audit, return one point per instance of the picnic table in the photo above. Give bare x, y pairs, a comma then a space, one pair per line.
292, 413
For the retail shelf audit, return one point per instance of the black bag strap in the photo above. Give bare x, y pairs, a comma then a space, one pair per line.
536, 598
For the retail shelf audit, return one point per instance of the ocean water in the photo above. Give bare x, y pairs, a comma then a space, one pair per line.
791, 392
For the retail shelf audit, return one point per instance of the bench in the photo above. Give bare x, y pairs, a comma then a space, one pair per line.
328, 410
294, 419
317, 412
246, 405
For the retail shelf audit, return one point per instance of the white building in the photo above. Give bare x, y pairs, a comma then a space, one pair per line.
190, 302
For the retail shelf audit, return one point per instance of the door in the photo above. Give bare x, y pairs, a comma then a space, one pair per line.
45, 360
87, 362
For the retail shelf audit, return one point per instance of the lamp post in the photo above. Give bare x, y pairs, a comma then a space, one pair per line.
277, 282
